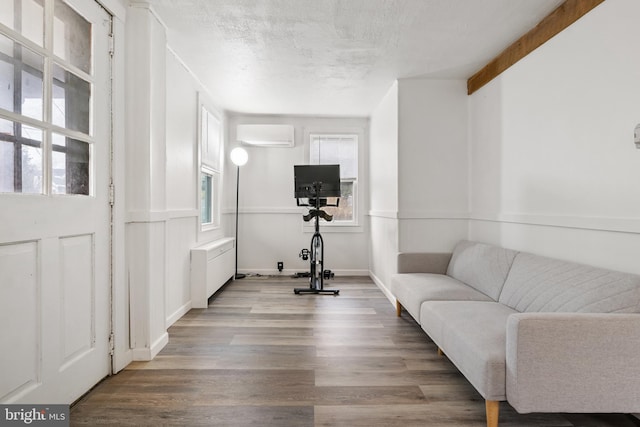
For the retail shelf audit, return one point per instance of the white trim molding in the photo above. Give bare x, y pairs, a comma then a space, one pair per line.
433, 215
146, 354
619, 225
383, 288
384, 214
160, 216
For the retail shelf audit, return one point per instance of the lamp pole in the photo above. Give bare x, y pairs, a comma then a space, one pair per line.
239, 158
237, 276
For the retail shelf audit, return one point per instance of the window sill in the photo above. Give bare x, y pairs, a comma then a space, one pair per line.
209, 227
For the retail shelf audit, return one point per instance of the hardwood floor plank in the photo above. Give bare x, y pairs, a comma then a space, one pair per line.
319, 310
262, 356
240, 416
428, 414
383, 378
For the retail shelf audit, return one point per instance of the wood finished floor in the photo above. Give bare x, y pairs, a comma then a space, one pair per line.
262, 356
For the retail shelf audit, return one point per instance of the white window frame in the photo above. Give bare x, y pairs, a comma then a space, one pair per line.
214, 198
45, 48
354, 225
210, 153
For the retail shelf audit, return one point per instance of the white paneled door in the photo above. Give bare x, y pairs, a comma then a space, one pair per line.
55, 137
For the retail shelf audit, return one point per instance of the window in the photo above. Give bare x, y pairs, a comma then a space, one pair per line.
342, 149
208, 197
210, 164
45, 99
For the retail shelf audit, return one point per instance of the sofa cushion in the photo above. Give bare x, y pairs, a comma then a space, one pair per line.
473, 336
540, 284
411, 289
423, 262
481, 266
573, 362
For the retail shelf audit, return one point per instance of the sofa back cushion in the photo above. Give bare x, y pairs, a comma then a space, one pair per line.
540, 284
481, 266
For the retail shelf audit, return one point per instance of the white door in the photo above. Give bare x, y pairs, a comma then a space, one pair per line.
54, 199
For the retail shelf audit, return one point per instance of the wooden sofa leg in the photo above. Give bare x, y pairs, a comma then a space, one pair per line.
493, 409
398, 308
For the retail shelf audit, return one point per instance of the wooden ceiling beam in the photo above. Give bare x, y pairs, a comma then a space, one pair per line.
566, 14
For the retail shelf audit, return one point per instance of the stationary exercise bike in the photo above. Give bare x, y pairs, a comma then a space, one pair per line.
315, 253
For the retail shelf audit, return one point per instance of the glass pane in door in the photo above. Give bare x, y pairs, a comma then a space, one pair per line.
70, 166
20, 158
25, 17
71, 102
21, 87
71, 36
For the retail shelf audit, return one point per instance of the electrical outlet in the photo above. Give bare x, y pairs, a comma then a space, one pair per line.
280, 266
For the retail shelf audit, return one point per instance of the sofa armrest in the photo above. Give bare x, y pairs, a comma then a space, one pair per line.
428, 262
573, 362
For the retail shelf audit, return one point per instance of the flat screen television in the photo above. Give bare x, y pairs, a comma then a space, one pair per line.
326, 176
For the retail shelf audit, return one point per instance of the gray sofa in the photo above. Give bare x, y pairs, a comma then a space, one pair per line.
543, 334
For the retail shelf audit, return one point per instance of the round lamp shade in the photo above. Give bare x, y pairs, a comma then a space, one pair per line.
239, 156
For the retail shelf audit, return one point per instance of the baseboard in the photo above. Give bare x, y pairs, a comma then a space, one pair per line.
146, 354
178, 314
141, 354
383, 288
290, 272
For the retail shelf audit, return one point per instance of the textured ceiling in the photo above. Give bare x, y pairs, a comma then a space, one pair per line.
336, 57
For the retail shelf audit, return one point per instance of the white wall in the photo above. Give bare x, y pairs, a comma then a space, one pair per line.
419, 171
433, 166
383, 154
553, 166
271, 227
182, 184
162, 181
383, 189
145, 180
185, 97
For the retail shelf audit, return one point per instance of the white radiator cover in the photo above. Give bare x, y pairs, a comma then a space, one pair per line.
212, 265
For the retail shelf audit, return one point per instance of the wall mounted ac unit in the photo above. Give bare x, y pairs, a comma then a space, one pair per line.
266, 135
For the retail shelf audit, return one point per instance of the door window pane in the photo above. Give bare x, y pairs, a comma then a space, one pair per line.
31, 169
7, 169
70, 166
21, 89
20, 158
71, 37
71, 100
6, 127
25, 17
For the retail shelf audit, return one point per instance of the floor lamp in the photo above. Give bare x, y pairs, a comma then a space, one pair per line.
239, 158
